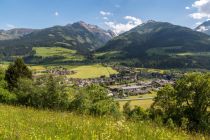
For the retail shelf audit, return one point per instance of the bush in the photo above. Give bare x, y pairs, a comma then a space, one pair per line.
135, 114
94, 100
24, 91
190, 95
7, 97
45, 94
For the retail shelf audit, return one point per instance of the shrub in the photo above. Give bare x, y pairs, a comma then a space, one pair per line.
6, 96
45, 94
190, 95
94, 100
135, 114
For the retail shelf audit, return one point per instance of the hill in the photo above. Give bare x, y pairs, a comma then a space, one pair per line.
204, 27
28, 123
160, 45
80, 37
14, 33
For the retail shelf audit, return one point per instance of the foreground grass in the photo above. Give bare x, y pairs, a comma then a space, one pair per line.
25, 123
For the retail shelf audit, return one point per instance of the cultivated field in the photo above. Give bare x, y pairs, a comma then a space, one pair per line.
142, 103
92, 71
24, 123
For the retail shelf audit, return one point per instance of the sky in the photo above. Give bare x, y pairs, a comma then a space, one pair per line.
118, 15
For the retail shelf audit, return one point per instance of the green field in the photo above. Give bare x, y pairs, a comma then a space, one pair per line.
110, 54
37, 68
207, 54
163, 51
141, 103
4, 66
92, 71
24, 123
67, 54
151, 70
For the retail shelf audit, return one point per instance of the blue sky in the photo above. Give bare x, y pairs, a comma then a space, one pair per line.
104, 13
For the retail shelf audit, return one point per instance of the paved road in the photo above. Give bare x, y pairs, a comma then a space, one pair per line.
148, 98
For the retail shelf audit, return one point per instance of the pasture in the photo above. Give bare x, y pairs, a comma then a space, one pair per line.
92, 71
63, 54
141, 103
174, 51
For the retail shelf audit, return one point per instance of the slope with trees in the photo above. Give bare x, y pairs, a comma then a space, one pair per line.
159, 45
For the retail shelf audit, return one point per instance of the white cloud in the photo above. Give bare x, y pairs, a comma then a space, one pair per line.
103, 13
133, 20
198, 15
56, 14
10, 26
119, 28
187, 8
105, 18
203, 9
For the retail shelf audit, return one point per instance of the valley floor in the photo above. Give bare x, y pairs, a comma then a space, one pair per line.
27, 123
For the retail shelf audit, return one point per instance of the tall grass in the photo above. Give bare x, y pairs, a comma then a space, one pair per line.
27, 123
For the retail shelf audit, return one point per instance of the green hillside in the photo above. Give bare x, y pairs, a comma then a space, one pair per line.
64, 53
80, 36
27, 123
159, 45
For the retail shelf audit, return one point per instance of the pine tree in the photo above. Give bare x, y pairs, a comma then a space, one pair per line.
17, 70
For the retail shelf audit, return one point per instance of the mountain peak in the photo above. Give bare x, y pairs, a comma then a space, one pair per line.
96, 30
204, 27
151, 21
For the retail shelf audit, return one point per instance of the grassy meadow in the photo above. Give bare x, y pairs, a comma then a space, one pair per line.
92, 71
142, 103
67, 54
26, 123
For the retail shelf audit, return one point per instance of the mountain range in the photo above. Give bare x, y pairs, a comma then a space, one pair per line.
78, 36
14, 33
151, 44
161, 45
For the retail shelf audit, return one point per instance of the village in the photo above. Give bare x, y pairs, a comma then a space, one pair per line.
127, 82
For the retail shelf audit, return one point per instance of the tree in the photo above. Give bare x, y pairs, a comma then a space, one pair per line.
187, 102
136, 114
25, 91
5, 95
94, 100
193, 97
17, 70
55, 96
